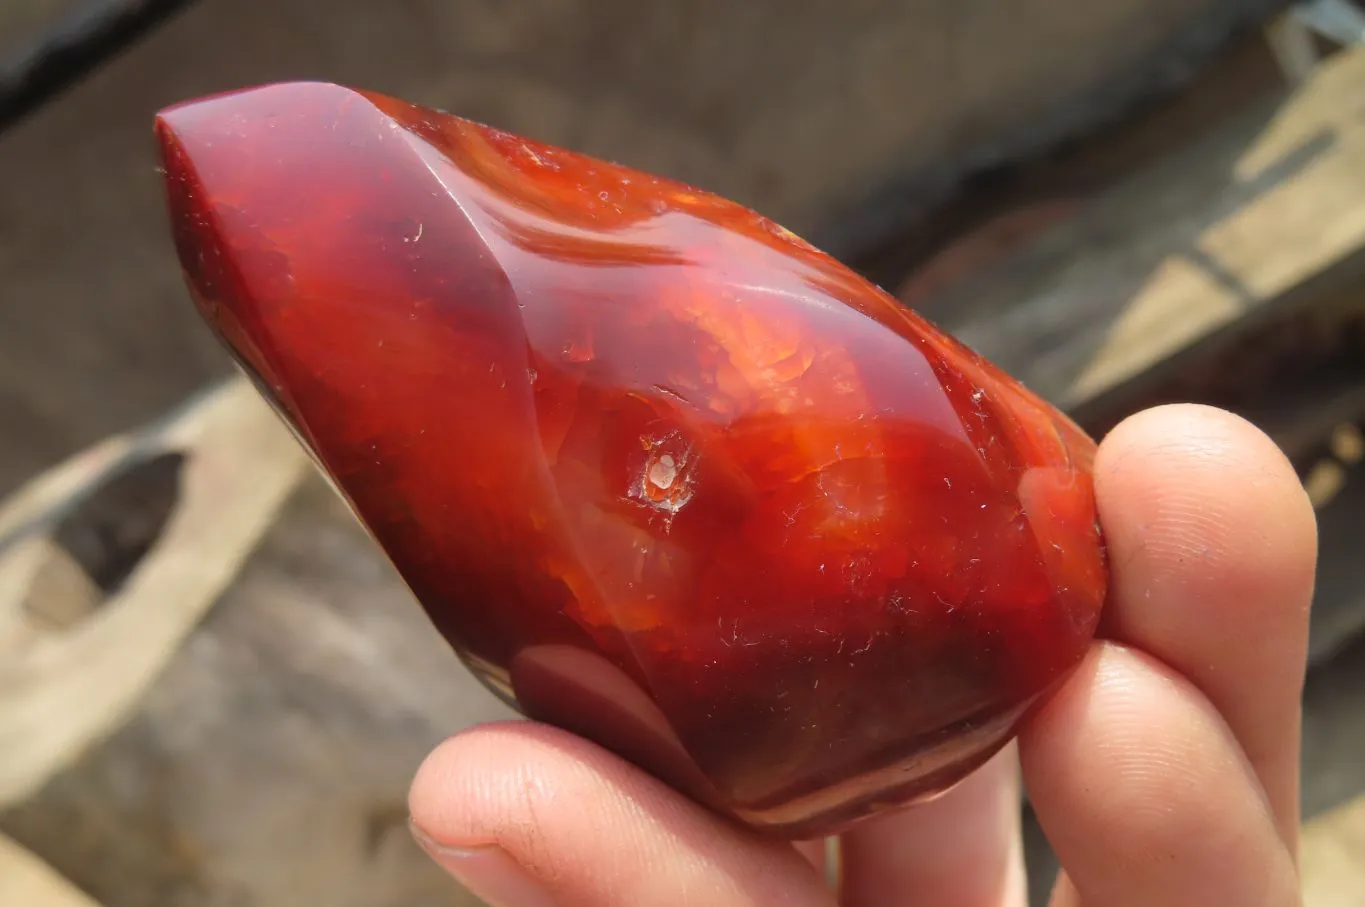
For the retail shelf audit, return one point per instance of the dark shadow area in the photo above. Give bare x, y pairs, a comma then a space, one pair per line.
1339, 603
1239, 76
117, 524
102, 537
1045, 312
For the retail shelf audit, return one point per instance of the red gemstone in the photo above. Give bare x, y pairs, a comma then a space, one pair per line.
662, 473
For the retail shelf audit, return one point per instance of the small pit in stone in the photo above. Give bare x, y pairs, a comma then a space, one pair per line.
666, 477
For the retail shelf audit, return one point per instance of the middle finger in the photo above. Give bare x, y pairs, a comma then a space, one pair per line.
961, 850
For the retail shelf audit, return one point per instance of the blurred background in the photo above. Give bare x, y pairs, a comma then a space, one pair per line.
214, 690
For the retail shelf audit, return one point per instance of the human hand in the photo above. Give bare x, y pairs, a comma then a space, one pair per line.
1165, 770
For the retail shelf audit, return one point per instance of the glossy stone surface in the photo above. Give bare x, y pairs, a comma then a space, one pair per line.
662, 473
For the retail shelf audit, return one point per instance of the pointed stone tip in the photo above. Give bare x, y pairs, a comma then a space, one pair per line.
208, 149
184, 201
281, 200
255, 98
175, 165
237, 153
231, 121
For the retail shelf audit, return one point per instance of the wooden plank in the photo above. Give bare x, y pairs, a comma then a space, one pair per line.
26, 881
1258, 216
1332, 857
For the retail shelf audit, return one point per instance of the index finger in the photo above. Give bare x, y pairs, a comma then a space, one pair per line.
1214, 545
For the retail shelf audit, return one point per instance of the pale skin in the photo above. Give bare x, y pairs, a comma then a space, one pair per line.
1165, 770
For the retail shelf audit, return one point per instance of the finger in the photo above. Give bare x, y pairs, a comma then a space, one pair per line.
1146, 795
1213, 545
961, 850
573, 824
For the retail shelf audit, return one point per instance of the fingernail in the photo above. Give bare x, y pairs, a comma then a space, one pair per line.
488, 871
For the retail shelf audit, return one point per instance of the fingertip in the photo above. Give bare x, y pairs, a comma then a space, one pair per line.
1193, 493
509, 783
450, 798
962, 848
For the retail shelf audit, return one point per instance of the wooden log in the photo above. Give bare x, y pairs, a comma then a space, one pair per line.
259, 756
269, 763
73, 665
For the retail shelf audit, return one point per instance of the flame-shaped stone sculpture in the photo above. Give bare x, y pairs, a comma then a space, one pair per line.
662, 473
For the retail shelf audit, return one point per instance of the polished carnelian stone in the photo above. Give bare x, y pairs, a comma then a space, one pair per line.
662, 473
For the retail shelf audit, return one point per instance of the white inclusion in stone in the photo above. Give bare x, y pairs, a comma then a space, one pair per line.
666, 475
662, 472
